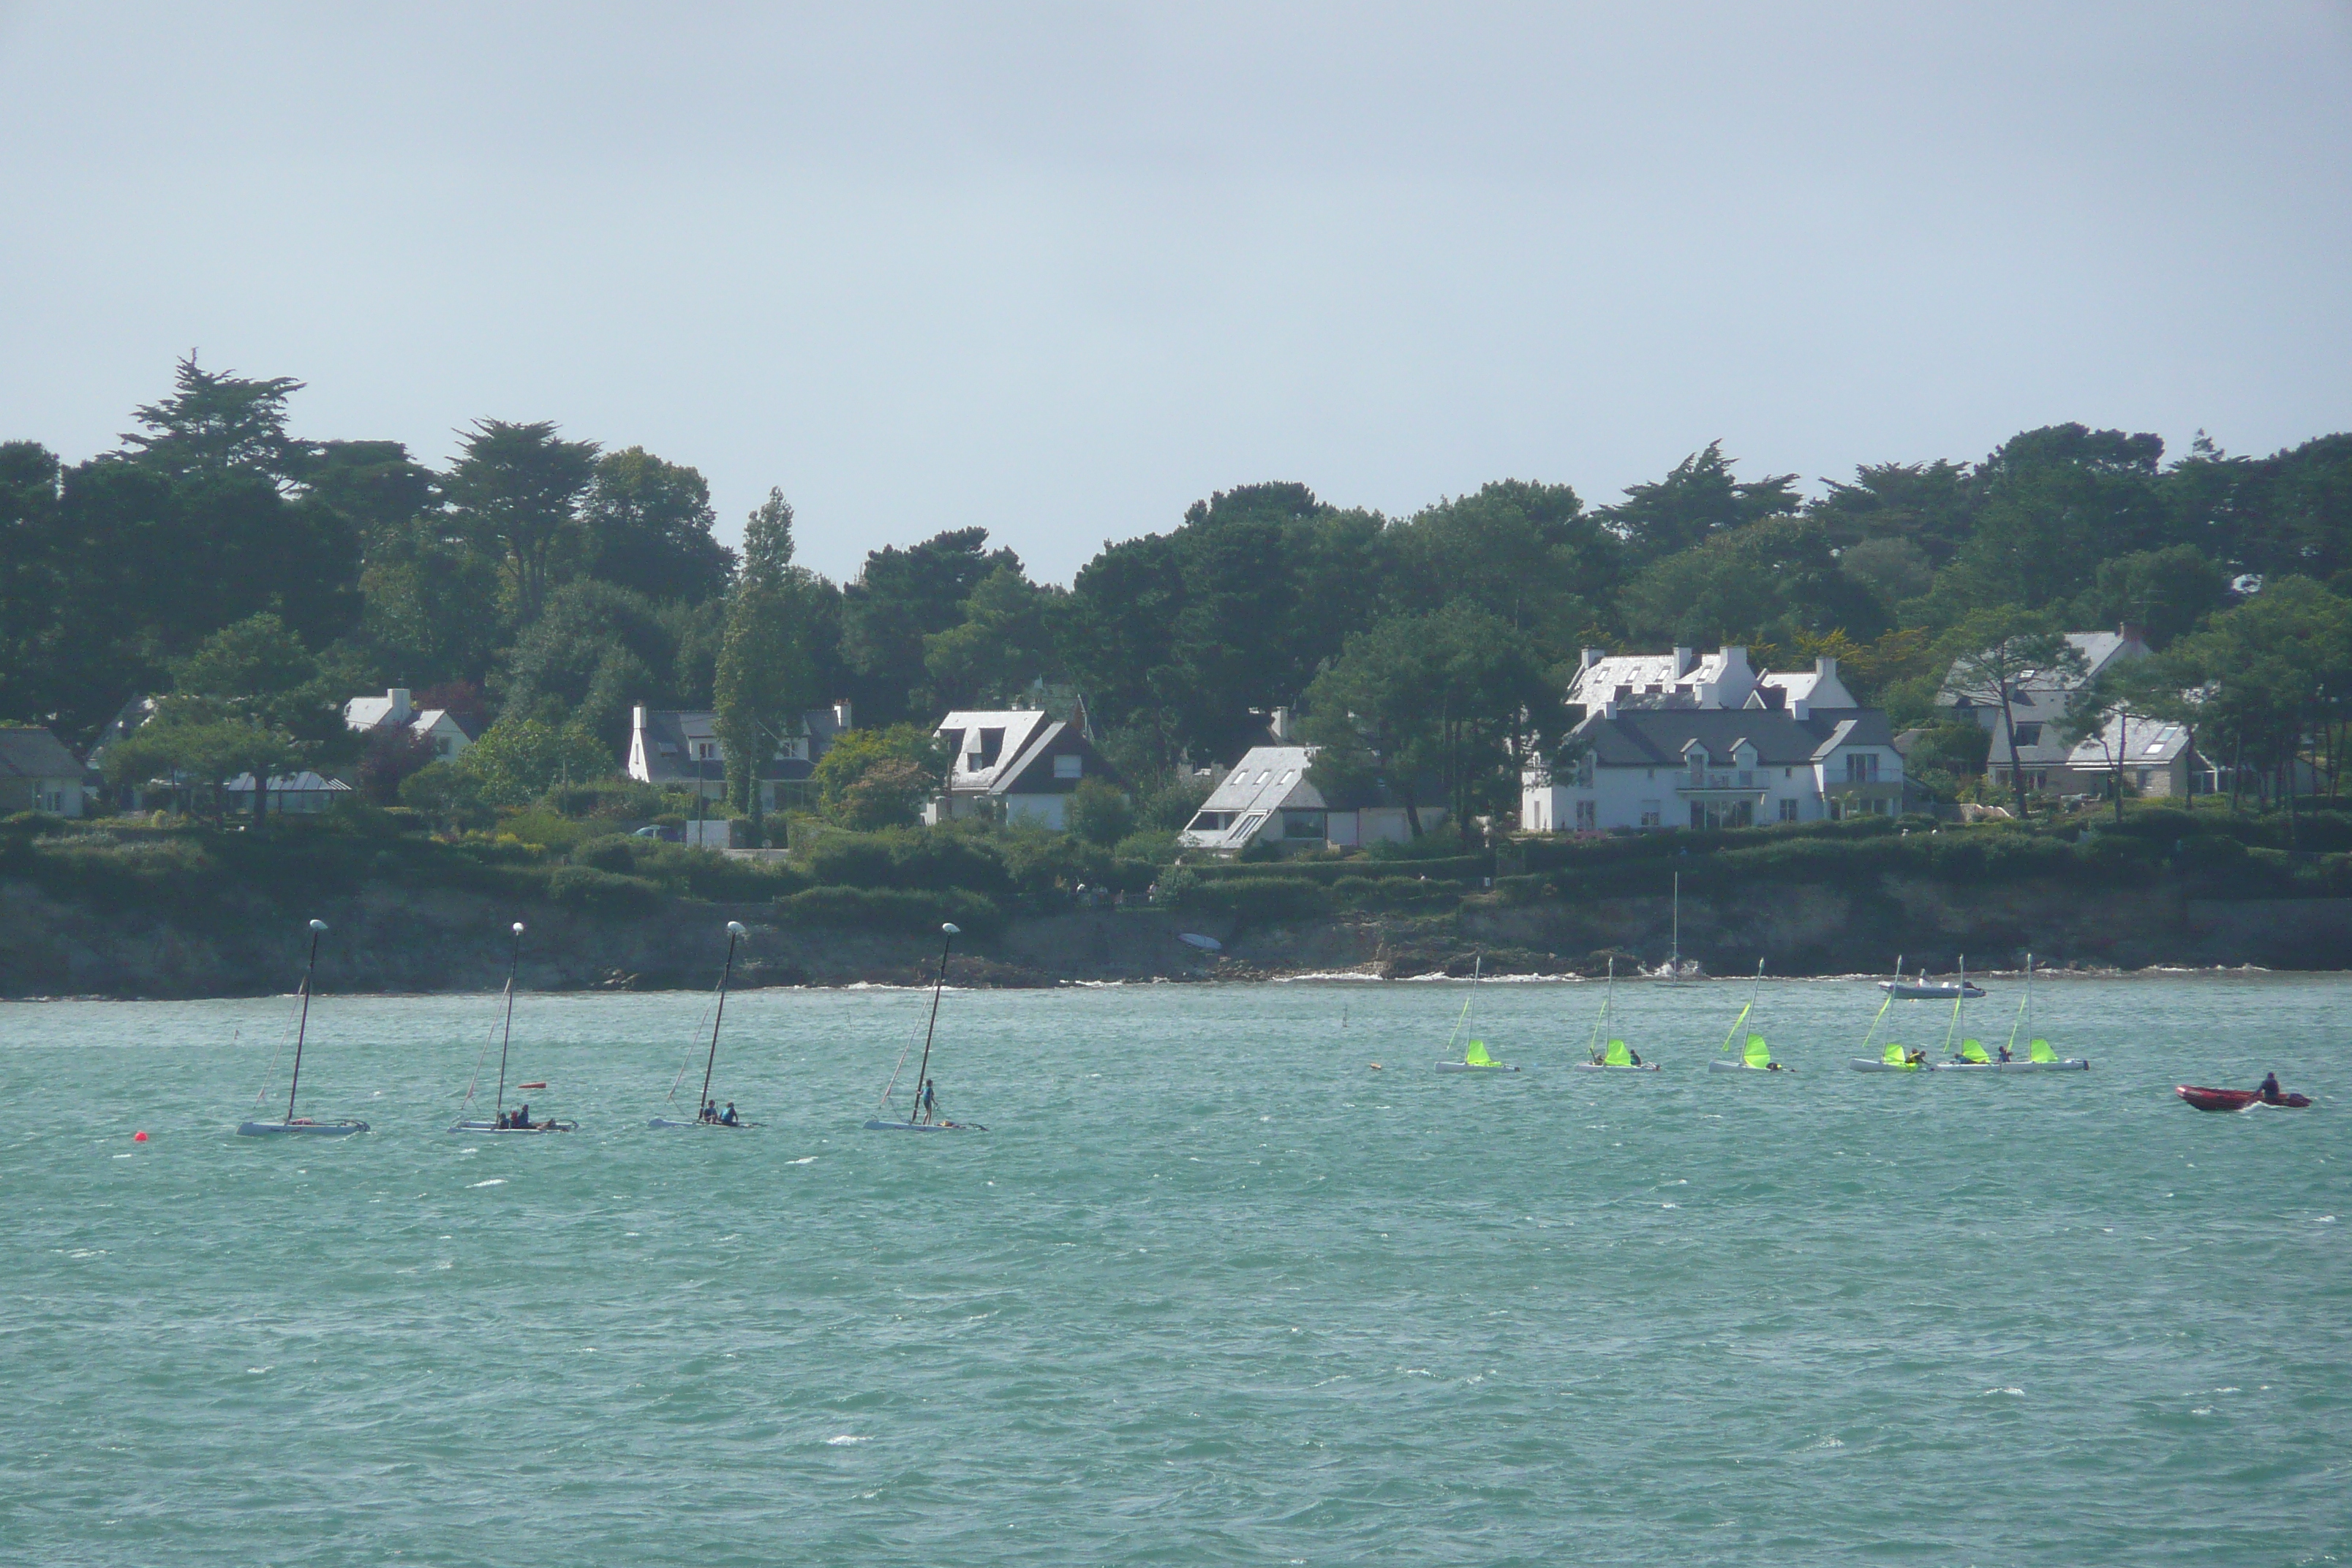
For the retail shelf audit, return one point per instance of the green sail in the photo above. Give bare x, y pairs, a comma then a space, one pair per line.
2041, 1052
1477, 1057
1758, 1053
1618, 1055
1893, 1056
1973, 1051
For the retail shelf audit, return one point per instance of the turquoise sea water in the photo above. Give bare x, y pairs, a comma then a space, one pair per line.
1211, 1290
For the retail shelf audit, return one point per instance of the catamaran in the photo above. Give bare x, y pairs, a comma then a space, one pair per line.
1754, 1055
1894, 1058
499, 1125
1475, 1058
294, 1125
1616, 1056
705, 1114
923, 1116
2039, 1056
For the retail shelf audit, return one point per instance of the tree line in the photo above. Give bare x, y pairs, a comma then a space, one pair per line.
254, 579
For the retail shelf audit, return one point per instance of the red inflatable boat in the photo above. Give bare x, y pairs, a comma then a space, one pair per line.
2234, 1099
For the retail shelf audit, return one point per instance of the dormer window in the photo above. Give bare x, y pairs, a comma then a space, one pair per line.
1069, 765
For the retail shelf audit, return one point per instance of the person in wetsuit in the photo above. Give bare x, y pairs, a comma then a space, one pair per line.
727, 1118
930, 1101
2270, 1091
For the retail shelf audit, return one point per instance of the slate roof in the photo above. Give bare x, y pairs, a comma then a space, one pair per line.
1657, 737
2146, 743
34, 754
671, 736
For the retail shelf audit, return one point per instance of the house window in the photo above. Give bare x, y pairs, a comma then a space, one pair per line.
1587, 816
1787, 773
702, 750
1862, 767
1250, 825
2029, 734
441, 746
1068, 767
1789, 810
1650, 773
1650, 813
1302, 824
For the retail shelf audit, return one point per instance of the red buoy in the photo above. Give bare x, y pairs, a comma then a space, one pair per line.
139, 1137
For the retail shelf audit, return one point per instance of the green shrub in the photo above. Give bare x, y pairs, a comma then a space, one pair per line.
615, 852
892, 909
1259, 899
591, 892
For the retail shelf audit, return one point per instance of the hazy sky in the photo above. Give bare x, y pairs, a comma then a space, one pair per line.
1061, 270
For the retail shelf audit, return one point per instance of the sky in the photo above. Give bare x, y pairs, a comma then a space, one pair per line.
1060, 271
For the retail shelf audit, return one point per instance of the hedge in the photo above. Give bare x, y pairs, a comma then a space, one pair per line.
892, 909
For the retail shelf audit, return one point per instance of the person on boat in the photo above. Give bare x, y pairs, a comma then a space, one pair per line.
522, 1119
710, 1111
2004, 1051
2270, 1090
931, 1099
1917, 1058
729, 1116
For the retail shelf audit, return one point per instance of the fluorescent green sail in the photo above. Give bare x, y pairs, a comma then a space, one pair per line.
1619, 1054
2041, 1052
1973, 1051
1893, 1057
1477, 1057
1758, 1053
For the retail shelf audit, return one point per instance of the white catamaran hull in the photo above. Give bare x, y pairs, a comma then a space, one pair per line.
1938, 991
2073, 1064
492, 1130
1614, 1066
878, 1126
1864, 1064
1475, 1067
1743, 1067
300, 1129
712, 1126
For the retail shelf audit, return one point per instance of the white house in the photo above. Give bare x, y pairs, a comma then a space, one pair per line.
1015, 765
2037, 705
1267, 797
679, 749
37, 773
395, 711
1718, 767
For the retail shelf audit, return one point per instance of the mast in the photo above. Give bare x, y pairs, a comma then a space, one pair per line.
1461, 1017
922, 1071
2029, 1004
317, 929
1674, 959
513, 964
734, 929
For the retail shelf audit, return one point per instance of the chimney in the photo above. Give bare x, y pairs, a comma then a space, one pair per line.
2133, 632
400, 712
1800, 708
1592, 656
637, 718
1683, 661
1279, 726
841, 715
1609, 709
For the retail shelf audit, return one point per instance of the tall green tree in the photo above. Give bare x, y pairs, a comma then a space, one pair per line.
1697, 500
1526, 554
218, 422
766, 677
1929, 507
1992, 653
1003, 643
1769, 582
2055, 502
518, 488
596, 651
647, 526
900, 597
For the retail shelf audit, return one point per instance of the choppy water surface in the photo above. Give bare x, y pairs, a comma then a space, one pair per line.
1211, 1290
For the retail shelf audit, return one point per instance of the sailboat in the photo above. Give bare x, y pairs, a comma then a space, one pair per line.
1475, 1058
1616, 1056
293, 1125
2040, 1056
703, 1116
496, 1126
922, 1117
1894, 1058
1754, 1055
1675, 970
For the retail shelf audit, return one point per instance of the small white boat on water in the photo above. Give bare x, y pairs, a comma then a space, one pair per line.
1677, 970
500, 1125
1475, 1058
1925, 990
2039, 1054
291, 1125
1754, 1055
924, 1116
1616, 1055
707, 1117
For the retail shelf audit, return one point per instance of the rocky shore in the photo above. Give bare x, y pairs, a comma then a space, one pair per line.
392, 939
